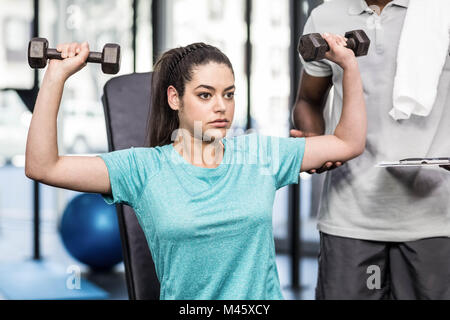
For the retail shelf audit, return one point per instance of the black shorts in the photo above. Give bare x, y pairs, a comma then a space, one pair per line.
361, 269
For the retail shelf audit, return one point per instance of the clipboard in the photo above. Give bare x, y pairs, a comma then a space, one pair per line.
416, 162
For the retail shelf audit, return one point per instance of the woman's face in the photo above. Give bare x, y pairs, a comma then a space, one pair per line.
207, 107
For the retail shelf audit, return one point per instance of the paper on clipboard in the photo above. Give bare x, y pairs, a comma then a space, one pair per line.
416, 162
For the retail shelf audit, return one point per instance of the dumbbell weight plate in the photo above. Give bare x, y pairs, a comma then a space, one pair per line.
312, 46
34, 47
111, 54
359, 36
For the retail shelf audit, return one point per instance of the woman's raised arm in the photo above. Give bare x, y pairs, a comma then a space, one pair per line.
349, 138
42, 161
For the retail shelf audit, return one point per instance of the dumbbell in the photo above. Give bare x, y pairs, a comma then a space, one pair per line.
313, 47
39, 52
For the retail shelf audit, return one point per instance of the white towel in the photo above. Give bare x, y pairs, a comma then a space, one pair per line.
422, 53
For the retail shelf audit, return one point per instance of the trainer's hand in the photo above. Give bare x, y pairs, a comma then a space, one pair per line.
74, 59
327, 166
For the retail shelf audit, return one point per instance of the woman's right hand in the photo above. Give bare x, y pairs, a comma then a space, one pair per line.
338, 52
74, 59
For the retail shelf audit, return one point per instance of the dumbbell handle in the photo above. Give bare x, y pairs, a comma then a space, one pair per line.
351, 44
95, 57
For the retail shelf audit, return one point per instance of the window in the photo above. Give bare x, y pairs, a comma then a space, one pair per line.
97, 22
16, 18
219, 23
270, 84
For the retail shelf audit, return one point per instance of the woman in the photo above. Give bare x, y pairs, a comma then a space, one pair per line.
204, 201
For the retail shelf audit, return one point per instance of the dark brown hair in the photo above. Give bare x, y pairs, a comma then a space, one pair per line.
174, 68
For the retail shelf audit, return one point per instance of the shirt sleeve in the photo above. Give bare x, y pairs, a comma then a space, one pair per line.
314, 68
286, 156
126, 176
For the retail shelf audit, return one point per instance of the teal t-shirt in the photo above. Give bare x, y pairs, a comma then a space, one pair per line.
209, 230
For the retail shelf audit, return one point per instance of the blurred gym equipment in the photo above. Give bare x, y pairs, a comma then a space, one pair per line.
90, 232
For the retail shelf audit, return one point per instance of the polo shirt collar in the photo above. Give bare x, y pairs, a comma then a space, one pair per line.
360, 6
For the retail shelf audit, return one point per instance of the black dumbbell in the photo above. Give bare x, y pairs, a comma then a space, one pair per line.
39, 52
313, 47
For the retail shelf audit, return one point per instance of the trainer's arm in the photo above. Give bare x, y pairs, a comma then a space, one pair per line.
307, 114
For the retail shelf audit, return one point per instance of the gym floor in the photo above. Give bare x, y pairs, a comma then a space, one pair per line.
16, 243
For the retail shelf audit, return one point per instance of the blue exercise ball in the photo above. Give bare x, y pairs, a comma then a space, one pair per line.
90, 232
